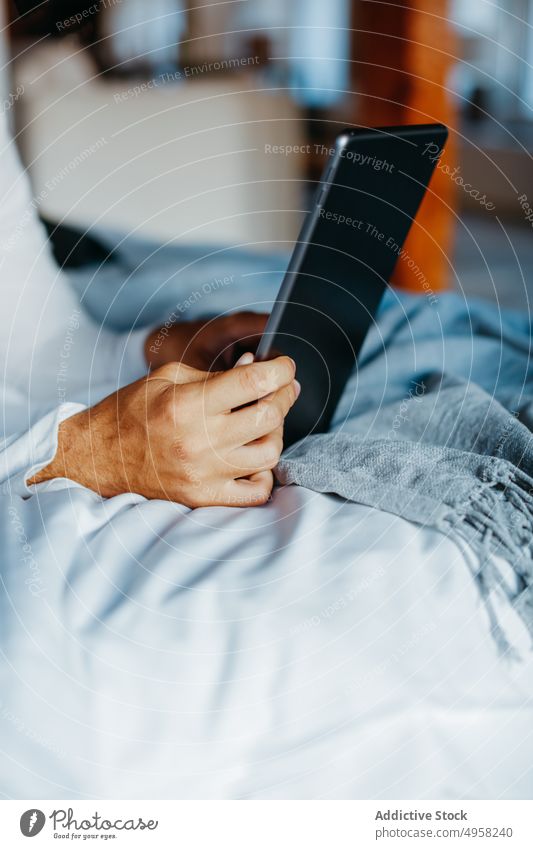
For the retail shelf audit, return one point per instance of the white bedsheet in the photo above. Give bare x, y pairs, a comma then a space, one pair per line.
309, 648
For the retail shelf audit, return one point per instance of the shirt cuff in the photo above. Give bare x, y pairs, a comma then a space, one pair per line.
23, 455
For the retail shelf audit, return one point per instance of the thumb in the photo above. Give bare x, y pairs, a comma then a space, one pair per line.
179, 373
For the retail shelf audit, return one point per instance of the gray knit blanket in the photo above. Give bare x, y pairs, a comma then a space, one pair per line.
448, 453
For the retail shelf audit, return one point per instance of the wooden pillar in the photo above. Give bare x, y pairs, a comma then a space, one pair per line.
209, 30
403, 51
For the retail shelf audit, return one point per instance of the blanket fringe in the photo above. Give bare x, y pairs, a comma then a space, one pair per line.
498, 520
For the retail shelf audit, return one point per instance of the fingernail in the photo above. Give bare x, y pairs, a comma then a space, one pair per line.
245, 360
298, 388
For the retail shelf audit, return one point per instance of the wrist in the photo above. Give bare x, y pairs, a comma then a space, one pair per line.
66, 457
77, 456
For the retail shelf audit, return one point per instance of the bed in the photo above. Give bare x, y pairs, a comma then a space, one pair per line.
310, 648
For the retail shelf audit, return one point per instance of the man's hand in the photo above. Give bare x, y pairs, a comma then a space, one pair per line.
183, 435
207, 344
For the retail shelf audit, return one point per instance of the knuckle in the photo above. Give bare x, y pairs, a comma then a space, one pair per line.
186, 405
271, 457
178, 373
274, 443
167, 371
265, 490
278, 442
288, 366
189, 374
250, 379
279, 373
287, 399
160, 410
269, 415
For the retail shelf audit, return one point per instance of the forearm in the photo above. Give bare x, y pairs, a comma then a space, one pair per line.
70, 460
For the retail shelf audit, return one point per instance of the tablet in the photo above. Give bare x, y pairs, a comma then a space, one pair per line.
350, 242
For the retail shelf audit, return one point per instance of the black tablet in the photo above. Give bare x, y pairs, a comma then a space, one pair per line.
350, 242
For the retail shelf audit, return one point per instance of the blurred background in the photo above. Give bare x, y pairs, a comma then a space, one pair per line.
210, 124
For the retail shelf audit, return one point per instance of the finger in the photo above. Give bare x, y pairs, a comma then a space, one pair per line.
258, 420
249, 492
248, 383
246, 360
259, 456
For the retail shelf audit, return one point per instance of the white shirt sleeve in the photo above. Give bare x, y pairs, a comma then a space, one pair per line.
41, 319
53, 355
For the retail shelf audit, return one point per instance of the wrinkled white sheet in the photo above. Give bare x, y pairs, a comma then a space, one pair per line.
309, 648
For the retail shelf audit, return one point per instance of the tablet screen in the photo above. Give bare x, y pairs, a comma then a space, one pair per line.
343, 260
